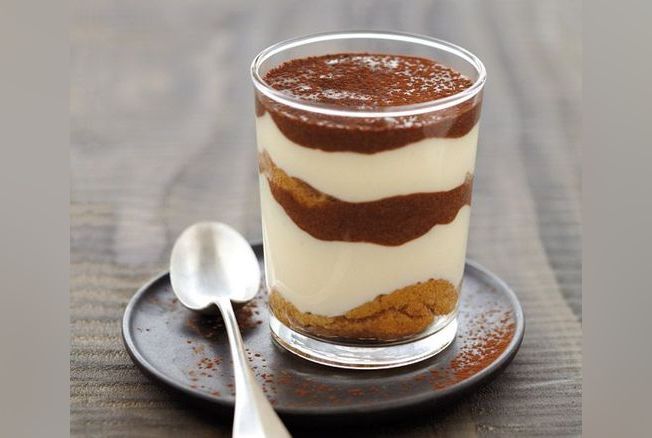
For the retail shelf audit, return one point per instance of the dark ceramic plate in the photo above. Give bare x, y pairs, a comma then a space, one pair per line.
189, 352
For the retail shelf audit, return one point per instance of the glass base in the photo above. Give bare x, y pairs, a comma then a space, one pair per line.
372, 357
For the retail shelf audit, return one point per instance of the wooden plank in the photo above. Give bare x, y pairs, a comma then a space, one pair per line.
163, 136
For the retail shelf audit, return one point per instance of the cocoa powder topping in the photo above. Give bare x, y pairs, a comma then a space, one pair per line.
355, 81
362, 80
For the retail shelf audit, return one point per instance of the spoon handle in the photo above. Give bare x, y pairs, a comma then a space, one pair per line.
254, 415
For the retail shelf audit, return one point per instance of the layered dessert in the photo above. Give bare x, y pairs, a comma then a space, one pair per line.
365, 218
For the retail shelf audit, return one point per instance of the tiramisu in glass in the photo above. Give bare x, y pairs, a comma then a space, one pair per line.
366, 149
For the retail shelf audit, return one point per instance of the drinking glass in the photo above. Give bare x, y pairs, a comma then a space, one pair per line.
365, 211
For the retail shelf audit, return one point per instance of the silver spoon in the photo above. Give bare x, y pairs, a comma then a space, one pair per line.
211, 263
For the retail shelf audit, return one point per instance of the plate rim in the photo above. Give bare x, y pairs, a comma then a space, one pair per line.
401, 402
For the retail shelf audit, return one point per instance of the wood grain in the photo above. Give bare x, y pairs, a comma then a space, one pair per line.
162, 136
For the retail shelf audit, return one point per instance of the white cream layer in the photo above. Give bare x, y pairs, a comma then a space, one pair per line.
429, 165
331, 278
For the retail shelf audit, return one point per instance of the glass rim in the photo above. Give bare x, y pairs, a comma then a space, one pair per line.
390, 111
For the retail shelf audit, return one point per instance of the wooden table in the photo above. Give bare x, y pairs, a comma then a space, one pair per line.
163, 136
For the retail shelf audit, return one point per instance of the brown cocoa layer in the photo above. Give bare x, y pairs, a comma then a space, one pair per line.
398, 315
389, 221
367, 81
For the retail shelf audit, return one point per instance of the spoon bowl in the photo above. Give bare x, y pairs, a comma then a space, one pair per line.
211, 260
